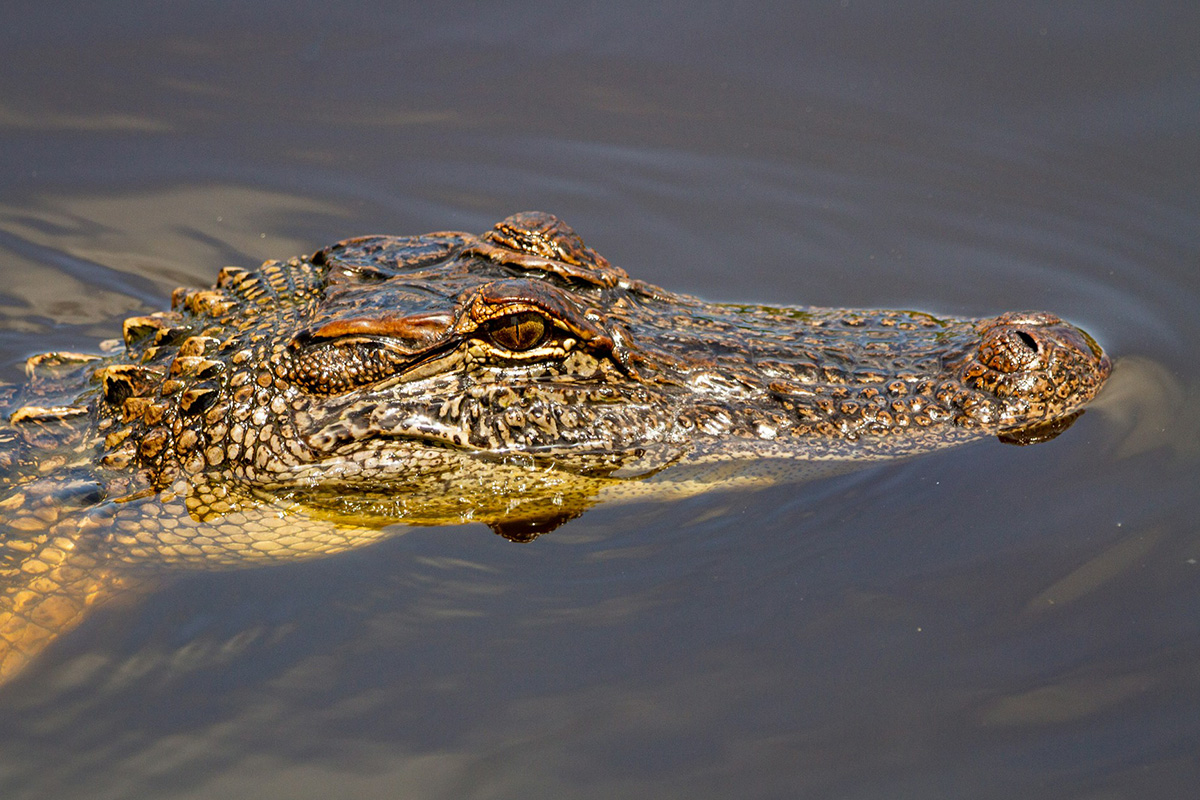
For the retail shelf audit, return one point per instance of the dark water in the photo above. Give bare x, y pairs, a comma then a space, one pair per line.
987, 622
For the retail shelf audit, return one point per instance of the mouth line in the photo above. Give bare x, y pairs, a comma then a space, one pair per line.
352, 444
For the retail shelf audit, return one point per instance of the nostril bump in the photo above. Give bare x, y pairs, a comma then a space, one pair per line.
1028, 339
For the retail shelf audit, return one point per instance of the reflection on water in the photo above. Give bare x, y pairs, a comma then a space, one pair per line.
169, 235
1152, 408
76, 264
47, 121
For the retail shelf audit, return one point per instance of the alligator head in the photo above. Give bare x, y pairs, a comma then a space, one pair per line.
429, 372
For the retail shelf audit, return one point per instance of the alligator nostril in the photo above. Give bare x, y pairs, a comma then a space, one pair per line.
1009, 350
1028, 339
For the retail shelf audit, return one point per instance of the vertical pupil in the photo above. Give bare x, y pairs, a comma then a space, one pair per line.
516, 332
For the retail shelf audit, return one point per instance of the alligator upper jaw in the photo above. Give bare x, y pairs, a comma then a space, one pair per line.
390, 447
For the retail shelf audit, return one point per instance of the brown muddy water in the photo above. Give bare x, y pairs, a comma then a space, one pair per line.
986, 622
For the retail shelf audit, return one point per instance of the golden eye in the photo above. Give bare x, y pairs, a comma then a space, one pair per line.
517, 332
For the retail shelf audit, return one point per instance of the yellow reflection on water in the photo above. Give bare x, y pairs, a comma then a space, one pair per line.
18, 119
1152, 408
172, 232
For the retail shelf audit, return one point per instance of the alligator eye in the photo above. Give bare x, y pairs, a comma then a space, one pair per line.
517, 332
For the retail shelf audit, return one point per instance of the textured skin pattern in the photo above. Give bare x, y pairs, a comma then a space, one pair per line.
514, 379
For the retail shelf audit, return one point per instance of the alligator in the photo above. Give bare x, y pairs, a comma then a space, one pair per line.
514, 378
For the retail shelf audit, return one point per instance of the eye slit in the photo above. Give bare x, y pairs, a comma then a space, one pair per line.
518, 332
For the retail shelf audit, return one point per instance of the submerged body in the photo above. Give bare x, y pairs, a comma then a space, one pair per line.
514, 379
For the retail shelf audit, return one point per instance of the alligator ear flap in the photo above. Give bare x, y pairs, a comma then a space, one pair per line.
525, 530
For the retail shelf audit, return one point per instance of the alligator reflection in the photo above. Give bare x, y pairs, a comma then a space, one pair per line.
514, 379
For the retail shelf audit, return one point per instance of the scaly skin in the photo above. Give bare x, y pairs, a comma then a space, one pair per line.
514, 379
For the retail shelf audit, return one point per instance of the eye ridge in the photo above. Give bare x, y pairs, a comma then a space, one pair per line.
517, 332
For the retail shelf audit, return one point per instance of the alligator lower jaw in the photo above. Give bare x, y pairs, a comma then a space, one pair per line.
1041, 432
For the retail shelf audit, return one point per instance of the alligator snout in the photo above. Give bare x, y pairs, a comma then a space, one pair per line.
1036, 366
1027, 340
